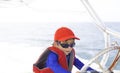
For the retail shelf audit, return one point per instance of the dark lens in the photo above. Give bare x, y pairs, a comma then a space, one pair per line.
72, 45
67, 45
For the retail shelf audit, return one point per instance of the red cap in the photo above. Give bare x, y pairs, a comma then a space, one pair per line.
63, 34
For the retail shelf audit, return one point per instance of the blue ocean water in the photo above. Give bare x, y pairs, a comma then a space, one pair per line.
42, 34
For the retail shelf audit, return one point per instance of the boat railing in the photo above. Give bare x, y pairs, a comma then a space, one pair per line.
106, 31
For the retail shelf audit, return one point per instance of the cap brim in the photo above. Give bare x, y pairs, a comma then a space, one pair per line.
70, 37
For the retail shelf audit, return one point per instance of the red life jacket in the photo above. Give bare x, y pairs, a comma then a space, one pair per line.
39, 66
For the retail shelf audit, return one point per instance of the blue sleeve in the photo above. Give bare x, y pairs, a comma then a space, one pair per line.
79, 64
52, 62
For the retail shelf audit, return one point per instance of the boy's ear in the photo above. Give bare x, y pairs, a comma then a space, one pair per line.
57, 43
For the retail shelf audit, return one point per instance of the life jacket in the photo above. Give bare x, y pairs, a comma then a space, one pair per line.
39, 66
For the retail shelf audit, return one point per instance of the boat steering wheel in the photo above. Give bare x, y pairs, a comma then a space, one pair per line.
104, 51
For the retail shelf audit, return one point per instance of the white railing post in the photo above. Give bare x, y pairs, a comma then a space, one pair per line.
101, 26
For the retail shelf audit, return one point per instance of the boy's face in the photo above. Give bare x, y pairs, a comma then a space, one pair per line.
66, 46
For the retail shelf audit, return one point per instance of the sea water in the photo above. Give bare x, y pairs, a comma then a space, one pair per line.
21, 44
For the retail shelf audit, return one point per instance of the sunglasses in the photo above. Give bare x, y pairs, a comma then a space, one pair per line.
66, 45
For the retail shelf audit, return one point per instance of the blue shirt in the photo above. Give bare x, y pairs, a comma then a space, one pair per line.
52, 62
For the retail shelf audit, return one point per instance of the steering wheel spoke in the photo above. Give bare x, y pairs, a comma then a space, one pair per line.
101, 53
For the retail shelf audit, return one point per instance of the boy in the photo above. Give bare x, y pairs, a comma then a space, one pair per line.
60, 57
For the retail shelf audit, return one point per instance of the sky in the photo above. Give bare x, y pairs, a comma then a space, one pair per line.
47, 11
